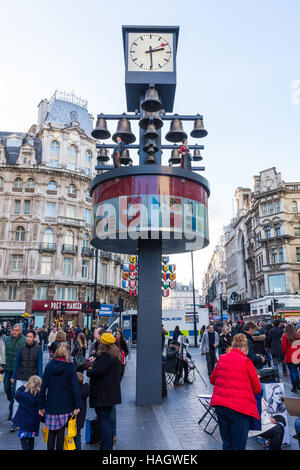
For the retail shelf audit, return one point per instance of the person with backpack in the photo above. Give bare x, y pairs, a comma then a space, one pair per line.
291, 353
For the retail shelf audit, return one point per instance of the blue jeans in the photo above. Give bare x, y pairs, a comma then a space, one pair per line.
294, 373
233, 427
105, 427
297, 428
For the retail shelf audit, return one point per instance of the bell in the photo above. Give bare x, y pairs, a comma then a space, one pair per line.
102, 155
124, 131
176, 132
150, 159
197, 156
150, 146
151, 132
175, 157
198, 130
151, 102
125, 158
150, 118
100, 131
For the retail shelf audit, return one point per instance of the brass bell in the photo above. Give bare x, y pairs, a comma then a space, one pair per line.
175, 157
197, 156
150, 159
150, 118
151, 132
150, 146
124, 131
102, 155
125, 157
100, 131
198, 130
151, 102
176, 132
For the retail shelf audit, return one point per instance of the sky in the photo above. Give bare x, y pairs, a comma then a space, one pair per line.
237, 65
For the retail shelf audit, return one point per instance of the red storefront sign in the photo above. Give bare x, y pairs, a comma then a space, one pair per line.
46, 305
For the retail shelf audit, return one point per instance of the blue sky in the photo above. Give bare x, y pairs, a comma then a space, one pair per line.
236, 64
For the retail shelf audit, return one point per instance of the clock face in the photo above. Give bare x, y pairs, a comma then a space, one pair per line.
150, 52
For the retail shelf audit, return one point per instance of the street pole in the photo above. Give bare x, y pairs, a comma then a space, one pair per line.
221, 307
87, 315
195, 320
95, 284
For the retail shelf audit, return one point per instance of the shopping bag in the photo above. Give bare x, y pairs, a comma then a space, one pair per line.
69, 443
72, 427
45, 432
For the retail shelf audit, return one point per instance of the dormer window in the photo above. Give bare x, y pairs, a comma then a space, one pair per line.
14, 142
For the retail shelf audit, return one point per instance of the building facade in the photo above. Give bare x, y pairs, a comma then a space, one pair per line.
46, 214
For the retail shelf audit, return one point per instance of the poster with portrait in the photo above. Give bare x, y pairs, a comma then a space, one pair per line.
274, 393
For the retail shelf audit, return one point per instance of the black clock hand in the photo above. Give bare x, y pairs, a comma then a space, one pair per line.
151, 60
154, 50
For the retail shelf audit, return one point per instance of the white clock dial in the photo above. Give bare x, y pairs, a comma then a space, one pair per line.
150, 52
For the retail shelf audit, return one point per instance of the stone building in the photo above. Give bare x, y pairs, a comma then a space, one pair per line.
46, 215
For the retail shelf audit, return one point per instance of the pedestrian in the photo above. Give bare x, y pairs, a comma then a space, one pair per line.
59, 338
203, 328
235, 385
60, 396
164, 333
80, 419
13, 343
98, 332
52, 336
208, 346
29, 362
105, 389
69, 336
225, 340
177, 333
121, 343
79, 352
27, 418
291, 353
275, 335
257, 359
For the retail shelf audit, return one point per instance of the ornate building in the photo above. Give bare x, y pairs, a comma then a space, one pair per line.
46, 215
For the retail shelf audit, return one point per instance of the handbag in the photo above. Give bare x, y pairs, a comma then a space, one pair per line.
69, 443
45, 432
72, 427
79, 361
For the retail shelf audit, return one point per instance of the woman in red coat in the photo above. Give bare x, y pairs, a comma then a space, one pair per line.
235, 383
291, 352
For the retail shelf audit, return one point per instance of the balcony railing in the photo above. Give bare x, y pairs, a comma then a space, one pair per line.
87, 251
69, 249
47, 247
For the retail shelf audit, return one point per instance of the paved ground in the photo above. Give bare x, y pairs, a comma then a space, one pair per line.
171, 426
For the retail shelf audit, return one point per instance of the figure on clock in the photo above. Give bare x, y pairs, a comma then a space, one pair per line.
185, 156
116, 156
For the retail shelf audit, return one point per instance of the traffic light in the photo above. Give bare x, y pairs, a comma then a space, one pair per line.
270, 308
94, 305
121, 304
84, 308
63, 309
54, 313
276, 304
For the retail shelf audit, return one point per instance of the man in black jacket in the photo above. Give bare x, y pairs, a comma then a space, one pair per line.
257, 359
174, 364
274, 339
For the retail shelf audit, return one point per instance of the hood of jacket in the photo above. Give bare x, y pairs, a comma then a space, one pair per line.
57, 367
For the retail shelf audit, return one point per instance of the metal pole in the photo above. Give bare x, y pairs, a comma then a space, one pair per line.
88, 317
95, 284
195, 319
221, 307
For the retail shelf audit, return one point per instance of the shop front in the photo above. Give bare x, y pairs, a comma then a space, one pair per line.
11, 312
50, 310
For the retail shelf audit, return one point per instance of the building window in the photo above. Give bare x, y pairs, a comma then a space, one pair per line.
277, 230
103, 273
41, 293
68, 265
277, 206
87, 194
276, 283
294, 206
87, 171
66, 293
17, 262
1, 182
20, 234
54, 163
88, 156
70, 211
73, 151
89, 294
50, 209
86, 241
14, 142
72, 189
297, 229
281, 259
298, 254
30, 184
26, 207
18, 183
46, 265
265, 208
48, 236
17, 207
271, 208
72, 166
268, 231
69, 238
55, 147
88, 216
85, 269
52, 185
275, 255
12, 292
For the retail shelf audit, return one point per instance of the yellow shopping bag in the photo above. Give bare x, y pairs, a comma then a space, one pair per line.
69, 443
72, 427
45, 431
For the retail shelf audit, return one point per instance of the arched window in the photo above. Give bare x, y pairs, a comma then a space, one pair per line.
52, 185
72, 189
18, 183
55, 147
88, 156
294, 206
86, 241
73, 151
20, 234
30, 184
69, 238
49, 236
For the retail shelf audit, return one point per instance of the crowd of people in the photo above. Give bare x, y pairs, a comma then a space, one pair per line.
52, 394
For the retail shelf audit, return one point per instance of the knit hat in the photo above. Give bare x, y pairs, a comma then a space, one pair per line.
107, 338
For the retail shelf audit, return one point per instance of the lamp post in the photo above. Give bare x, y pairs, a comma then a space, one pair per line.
195, 319
95, 284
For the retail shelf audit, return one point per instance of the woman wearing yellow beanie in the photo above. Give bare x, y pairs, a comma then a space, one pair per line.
105, 389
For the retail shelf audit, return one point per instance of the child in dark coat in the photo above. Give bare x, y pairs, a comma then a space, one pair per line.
84, 394
27, 417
